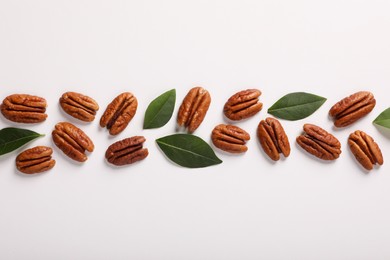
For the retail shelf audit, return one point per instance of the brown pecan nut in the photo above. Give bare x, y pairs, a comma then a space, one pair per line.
79, 106
319, 142
230, 138
365, 149
243, 104
273, 138
119, 113
35, 160
23, 108
194, 108
72, 141
127, 151
352, 108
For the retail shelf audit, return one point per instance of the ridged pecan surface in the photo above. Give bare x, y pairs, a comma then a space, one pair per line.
319, 142
243, 104
273, 138
127, 151
24, 108
35, 160
79, 106
230, 138
72, 141
365, 149
193, 109
352, 108
119, 113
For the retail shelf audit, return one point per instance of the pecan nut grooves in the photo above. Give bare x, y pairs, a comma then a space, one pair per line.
35, 160
230, 138
127, 151
319, 142
72, 141
243, 104
119, 113
193, 109
23, 108
365, 149
273, 138
352, 108
79, 106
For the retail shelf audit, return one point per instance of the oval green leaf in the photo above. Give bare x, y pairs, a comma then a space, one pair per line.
188, 150
12, 138
297, 105
383, 119
160, 110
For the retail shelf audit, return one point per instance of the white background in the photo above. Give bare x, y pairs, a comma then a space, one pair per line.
245, 208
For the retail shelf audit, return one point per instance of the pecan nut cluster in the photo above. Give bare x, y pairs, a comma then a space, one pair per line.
79, 106
72, 141
352, 108
243, 104
319, 142
273, 138
24, 108
230, 138
35, 160
193, 109
119, 113
365, 149
127, 151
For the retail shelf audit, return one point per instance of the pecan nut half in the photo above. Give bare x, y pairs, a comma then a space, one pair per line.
319, 142
79, 106
193, 109
365, 149
273, 138
230, 138
35, 160
24, 108
243, 104
119, 113
127, 151
72, 141
352, 108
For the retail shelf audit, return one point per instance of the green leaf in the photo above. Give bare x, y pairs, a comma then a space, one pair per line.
160, 110
383, 119
188, 150
297, 105
12, 138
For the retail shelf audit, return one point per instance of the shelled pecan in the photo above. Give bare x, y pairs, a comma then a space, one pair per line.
365, 149
72, 141
352, 108
243, 104
79, 106
119, 113
230, 138
24, 108
127, 151
319, 142
35, 160
273, 138
193, 108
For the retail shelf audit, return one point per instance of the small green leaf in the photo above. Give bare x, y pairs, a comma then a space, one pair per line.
12, 138
160, 110
188, 150
383, 119
297, 105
